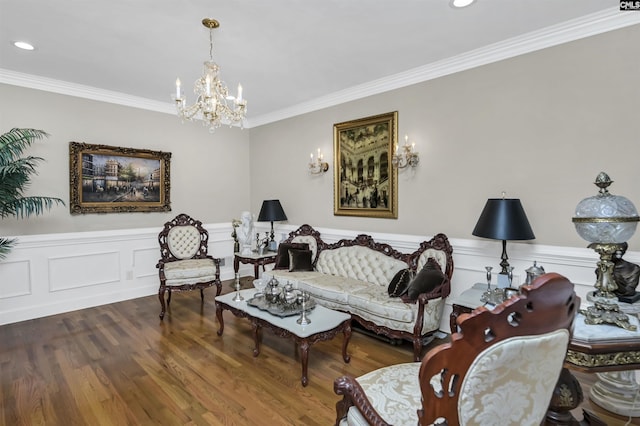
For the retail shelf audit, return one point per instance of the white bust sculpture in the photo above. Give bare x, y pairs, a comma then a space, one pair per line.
245, 232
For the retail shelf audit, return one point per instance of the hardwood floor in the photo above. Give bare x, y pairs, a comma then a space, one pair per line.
119, 364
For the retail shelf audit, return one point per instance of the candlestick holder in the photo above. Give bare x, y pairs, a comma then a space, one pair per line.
303, 298
238, 297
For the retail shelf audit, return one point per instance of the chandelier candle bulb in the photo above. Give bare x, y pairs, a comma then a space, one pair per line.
177, 88
239, 92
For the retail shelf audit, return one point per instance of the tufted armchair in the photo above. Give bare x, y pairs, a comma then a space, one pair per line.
184, 263
501, 368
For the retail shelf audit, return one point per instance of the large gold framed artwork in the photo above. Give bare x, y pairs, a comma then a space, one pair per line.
110, 179
365, 183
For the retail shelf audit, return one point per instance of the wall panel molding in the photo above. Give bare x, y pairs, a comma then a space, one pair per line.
55, 273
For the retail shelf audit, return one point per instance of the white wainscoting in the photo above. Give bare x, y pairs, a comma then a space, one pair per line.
54, 273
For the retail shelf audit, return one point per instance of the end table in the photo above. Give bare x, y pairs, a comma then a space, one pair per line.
254, 259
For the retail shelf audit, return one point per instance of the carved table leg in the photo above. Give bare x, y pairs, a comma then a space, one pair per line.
220, 320
304, 354
345, 342
256, 337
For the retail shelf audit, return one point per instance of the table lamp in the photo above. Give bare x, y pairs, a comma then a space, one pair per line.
503, 219
271, 211
607, 221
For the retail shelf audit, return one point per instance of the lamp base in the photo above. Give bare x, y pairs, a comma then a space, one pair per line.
605, 311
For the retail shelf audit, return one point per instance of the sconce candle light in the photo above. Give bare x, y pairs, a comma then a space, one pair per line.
318, 166
407, 157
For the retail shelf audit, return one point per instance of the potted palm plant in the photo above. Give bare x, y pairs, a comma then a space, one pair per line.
15, 176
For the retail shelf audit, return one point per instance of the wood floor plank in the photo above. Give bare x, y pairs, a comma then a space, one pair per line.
118, 364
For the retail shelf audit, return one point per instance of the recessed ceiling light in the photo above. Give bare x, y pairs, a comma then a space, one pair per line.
23, 45
461, 3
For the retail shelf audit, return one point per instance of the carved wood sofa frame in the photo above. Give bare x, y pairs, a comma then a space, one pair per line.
438, 242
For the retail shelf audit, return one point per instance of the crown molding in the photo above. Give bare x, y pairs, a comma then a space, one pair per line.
575, 29
81, 91
586, 26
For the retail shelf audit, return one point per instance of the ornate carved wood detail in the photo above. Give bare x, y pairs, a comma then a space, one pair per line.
182, 220
438, 242
549, 304
630, 359
166, 256
353, 395
303, 342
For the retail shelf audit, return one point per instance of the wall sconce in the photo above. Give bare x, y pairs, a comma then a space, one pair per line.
408, 157
318, 166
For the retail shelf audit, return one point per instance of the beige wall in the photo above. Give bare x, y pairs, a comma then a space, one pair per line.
540, 127
207, 181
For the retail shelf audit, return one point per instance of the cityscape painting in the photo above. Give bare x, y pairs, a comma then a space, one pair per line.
108, 179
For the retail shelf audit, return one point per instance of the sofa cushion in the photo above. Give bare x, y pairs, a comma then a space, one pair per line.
400, 282
332, 288
300, 260
395, 393
282, 258
373, 301
428, 279
189, 271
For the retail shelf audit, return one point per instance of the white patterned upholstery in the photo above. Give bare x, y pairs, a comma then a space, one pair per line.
520, 373
501, 368
359, 263
184, 262
183, 241
353, 276
189, 271
395, 393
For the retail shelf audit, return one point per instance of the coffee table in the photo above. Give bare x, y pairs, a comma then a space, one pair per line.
325, 325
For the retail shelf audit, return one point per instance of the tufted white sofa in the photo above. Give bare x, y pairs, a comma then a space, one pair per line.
353, 276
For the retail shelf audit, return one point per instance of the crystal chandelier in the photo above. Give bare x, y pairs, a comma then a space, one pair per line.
214, 105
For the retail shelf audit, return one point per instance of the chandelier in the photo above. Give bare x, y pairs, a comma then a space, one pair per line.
214, 105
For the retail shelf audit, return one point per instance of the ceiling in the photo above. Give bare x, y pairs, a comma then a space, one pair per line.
291, 56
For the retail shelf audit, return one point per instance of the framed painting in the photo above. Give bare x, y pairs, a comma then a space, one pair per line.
109, 179
365, 183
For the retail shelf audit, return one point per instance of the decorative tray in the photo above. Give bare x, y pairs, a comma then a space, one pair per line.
280, 309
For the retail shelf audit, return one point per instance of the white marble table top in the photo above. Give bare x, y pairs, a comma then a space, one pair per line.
322, 319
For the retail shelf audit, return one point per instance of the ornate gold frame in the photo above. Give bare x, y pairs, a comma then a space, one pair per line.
131, 180
365, 183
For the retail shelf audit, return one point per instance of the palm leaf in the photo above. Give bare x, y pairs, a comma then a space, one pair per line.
14, 142
15, 176
5, 247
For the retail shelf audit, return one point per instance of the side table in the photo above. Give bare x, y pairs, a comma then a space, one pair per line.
465, 303
255, 259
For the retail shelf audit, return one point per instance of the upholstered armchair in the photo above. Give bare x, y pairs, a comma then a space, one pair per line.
500, 368
184, 263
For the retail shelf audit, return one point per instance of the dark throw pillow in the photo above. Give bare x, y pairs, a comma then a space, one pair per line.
300, 260
399, 283
282, 258
428, 279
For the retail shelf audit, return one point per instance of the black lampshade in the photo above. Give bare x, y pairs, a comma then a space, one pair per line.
271, 211
503, 219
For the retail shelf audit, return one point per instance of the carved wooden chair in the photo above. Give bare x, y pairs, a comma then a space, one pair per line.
501, 368
184, 263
